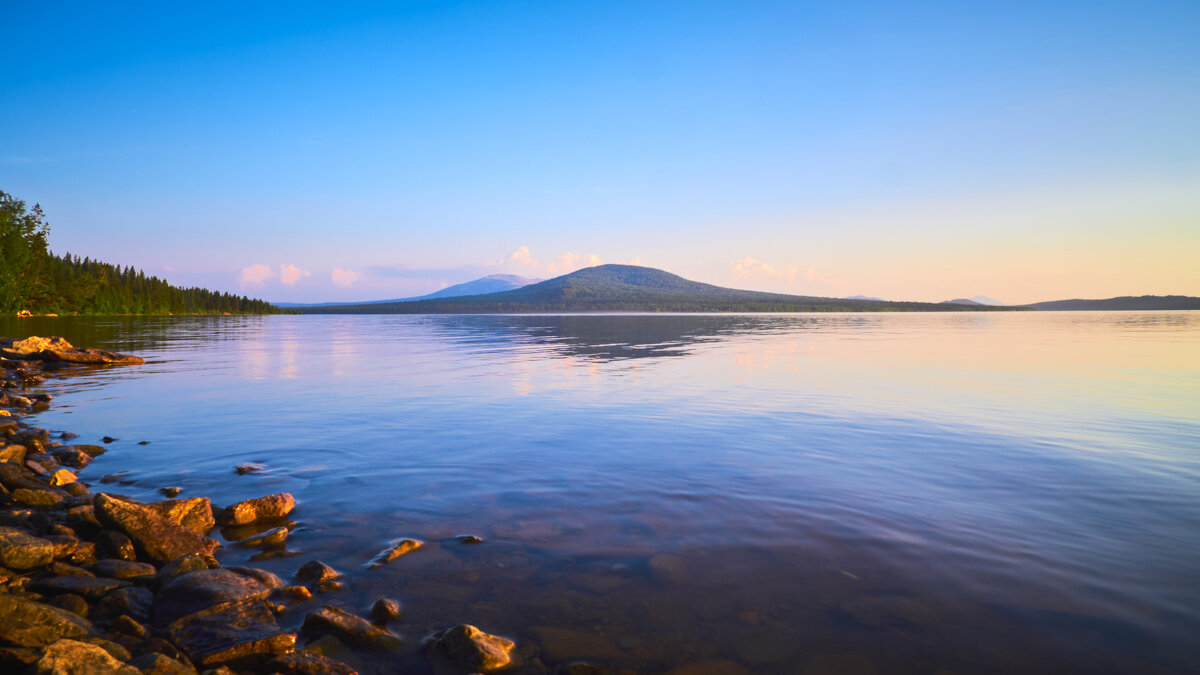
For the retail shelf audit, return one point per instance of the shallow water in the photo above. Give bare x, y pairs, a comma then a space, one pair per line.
849, 493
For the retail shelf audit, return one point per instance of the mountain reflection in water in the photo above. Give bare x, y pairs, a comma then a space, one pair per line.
857, 493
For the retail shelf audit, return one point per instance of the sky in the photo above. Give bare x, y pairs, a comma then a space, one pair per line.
309, 152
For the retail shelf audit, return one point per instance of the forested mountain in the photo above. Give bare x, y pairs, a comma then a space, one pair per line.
1123, 303
34, 279
627, 288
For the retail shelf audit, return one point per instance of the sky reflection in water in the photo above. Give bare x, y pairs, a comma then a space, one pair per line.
864, 492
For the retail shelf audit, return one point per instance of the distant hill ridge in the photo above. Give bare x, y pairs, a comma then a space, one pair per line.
1123, 303
630, 288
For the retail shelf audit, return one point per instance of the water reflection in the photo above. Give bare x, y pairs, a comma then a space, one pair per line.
778, 494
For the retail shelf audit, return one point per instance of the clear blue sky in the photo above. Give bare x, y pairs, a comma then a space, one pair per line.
322, 151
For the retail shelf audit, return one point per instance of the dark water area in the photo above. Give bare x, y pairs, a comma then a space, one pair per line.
861, 493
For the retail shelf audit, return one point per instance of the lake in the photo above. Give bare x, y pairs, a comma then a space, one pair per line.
803, 493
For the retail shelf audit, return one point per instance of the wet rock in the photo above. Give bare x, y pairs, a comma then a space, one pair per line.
20, 550
348, 627
71, 657
296, 592
135, 601
84, 554
117, 651
194, 513
469, 539
129, 626
78, 489
202, 590
158, 645
90, 356
584, 668
317, 571
261, 508
242, 635
124, 569
92, 588
268, 579
158, 538
27, 623
248, 467
308, 663
61, 569
116, 545
37, 497
34, 344
153, 663
12, 454
472, 650
385, 609
62, 477
181, 566
71, 456
402, 547
64, 545
275, 536
170, 492
72, 603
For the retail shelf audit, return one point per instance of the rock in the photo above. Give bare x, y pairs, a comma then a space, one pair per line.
275, 536
248, 467
268, 579
37, 497
315, 570
170, 492
384, 610
348, 627
158, 645
115, 650
21, 551
124, 569
261, 508
64, 545
92, 588
91, 356
62, 477
181, 566
153, 663
15, 477
156, 537
472, 650
61, 569
307, 663
135, 601
127, 625
469, 539
71, 603
27, 623
78, 489
34, 344
71, 657
84, 554
109, 439
194, 513
296, 592
71, 456
400, 548
202, 590
242, 635
112, 544
12, 454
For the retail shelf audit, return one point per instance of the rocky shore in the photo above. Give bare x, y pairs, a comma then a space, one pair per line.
92, 581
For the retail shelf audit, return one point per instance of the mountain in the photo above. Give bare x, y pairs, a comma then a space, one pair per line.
961, 301
492, 283
1123, 303
864, 297
628, 288
985, 300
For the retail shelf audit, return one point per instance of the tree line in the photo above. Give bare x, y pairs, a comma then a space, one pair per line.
34, 279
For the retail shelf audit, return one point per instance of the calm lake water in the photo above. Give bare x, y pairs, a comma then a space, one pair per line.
850, 493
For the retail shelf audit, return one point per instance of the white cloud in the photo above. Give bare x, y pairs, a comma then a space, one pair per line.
522, 257
290, 274
749, 267
567, 262
635, 261
256, 274
345, 278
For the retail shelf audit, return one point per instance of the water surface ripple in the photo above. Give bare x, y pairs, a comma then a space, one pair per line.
853, 493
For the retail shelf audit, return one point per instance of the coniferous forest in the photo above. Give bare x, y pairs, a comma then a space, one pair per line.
34, 279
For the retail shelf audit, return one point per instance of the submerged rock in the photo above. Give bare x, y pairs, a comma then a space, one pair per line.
384, 610
401, 548
202, 590
156, 537
242, 635
472, 650
308, 663
317, 571
153, 663
348, 627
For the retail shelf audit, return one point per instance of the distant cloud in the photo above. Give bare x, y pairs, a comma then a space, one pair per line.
567, 262
635, 261
256, 274
290, 274
750, 267
345, 278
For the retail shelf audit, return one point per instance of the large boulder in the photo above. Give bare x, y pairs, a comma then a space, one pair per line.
243, 635
348, 627
20, 550
91, 357
32, 345
155, 537
205, 591
194, 513
471, 650
28, 623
